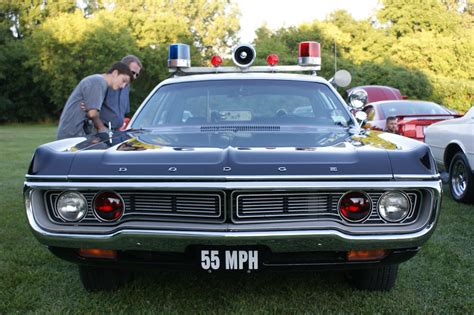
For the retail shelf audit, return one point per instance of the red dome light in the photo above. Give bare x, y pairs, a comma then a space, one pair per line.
216, 61
108, 206
309, 54
355, 206
272, 60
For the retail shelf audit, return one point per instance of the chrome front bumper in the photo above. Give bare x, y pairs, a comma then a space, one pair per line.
279, 238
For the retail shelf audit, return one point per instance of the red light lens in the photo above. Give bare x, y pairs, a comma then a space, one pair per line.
309, 49
355, 206
216, 61
98, 253
361, 255
272, 60
108, 206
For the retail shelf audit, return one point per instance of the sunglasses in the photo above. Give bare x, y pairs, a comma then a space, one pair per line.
135, 74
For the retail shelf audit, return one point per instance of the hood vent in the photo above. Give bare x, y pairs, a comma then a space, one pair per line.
240, 128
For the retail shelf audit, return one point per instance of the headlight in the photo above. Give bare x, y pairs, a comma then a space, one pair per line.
394, 206
71, 206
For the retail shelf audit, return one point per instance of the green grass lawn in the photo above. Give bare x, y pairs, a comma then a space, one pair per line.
438, 280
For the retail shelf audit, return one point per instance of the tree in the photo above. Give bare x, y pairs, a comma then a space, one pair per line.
405, 17
213, 24
23, 16
66, 48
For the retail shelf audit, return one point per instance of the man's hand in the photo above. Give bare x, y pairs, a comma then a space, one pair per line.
93, 114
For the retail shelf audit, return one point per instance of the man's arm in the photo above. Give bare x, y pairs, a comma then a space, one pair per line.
93, 114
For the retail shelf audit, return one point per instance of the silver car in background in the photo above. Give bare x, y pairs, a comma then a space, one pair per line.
452, 144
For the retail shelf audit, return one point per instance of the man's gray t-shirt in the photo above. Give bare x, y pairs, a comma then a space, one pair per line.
90, 91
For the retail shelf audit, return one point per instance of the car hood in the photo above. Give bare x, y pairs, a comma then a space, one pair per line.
151, 154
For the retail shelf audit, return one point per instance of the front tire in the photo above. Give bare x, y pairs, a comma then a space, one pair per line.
102, 279
374, 279
461, 181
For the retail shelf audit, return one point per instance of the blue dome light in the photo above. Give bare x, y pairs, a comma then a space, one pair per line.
179, 56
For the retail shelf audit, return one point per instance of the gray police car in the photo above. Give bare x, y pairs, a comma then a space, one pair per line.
236, 169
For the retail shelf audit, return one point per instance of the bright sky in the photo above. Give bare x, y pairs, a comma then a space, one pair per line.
285, 13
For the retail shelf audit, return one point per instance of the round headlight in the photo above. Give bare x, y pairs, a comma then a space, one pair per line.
355, 206
394, 206
71, 206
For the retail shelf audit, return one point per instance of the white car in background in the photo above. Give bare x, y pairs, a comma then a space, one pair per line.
452, 144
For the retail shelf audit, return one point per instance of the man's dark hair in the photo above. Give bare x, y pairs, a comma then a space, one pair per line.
121, 69
389, 118
131, 58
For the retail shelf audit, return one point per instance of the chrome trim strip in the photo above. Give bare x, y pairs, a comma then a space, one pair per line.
239, 177
277, 185
217, 178
415, 177
27, 176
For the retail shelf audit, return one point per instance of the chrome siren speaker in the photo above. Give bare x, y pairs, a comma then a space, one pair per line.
243, 55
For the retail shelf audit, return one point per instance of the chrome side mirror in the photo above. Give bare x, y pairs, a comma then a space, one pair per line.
358, 98
341, 78
361, 117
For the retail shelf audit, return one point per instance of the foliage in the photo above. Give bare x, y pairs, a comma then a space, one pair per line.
59, 44
20, 98
88, 49
424, 48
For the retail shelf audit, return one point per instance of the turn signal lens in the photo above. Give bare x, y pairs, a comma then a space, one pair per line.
371, 254
98, 253
216, 61
108, 206
355, 206
272, 60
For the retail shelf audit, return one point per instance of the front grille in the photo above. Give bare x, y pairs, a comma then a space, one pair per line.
175, 206
252, 207
239, 206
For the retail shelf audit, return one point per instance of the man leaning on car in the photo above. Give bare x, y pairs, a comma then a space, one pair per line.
117, 102
91, 92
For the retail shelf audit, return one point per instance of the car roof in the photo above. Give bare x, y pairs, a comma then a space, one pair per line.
379, 92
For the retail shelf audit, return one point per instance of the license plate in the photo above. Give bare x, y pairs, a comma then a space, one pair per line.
229, 259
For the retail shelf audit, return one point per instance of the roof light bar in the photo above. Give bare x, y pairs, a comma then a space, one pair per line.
243, 55
179, 56
255, 69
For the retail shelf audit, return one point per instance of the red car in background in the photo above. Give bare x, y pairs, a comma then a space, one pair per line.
412, 116
377, 93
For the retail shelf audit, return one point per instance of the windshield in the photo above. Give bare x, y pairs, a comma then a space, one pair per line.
243, 102
412, 108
